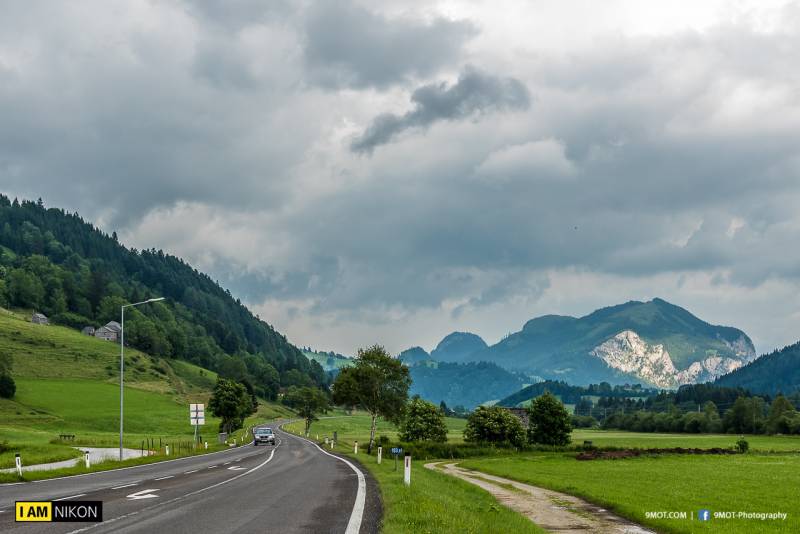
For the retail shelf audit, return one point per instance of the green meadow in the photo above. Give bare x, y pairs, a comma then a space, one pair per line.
764, 480
68, 383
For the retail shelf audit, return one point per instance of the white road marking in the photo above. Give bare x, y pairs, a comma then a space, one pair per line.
144, 494
176, 499
236, 468
226, 463
354, 525
212, 467
192, 471
70, 497
164, 478
125, 486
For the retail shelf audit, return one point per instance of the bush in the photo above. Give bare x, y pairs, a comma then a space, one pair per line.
493, 424
7, 386
742, 445
423, 422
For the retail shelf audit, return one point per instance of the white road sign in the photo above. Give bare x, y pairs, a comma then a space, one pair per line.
197, 420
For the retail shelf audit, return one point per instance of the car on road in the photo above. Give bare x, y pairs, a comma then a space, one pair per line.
263, 435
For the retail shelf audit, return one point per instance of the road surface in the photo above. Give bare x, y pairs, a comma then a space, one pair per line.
291, 487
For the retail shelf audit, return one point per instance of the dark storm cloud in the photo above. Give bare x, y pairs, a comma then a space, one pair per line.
348, 46
475, 92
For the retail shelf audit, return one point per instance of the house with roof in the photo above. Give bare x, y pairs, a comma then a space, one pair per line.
39, 318
88, 331
110, 331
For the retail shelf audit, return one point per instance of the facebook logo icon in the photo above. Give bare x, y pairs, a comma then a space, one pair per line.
704, 515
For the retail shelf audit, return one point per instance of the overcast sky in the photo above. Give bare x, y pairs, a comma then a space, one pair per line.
389, 172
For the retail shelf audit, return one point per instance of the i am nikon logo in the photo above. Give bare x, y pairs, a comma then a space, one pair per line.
59, 511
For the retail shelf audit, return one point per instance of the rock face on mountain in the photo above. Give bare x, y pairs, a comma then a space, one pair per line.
630, 354
653, 342
458, 347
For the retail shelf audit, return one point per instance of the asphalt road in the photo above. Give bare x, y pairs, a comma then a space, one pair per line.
291, 487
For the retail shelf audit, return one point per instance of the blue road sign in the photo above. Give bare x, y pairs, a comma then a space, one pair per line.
397, 450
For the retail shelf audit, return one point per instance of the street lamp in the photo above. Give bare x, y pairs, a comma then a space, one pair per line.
122, 359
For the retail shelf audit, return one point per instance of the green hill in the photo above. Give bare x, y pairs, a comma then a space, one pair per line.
777, 372
54, 262
329, 361
67, 383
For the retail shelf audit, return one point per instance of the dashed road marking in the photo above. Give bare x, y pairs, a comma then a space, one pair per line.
190, 472
125, 486
164, 478
212, 467
236, 468
70, 497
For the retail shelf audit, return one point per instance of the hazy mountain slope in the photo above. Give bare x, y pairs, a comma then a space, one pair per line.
778, 372
458, 347
414, 355
467, 384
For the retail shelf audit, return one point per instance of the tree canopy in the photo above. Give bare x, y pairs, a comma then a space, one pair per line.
548, 421
423, 421
376, 383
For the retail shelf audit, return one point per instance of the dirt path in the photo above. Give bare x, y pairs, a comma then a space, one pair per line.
551, 510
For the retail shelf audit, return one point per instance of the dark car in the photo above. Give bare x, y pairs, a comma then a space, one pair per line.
263, 435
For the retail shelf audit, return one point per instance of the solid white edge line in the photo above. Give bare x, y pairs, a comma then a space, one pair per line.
176, 499
195, 456
356, 516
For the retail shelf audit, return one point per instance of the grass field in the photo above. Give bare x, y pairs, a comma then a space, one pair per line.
755, 482
632, 487
68, 383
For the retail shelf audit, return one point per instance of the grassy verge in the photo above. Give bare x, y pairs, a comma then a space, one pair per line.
107, 465
434, 502
632, 487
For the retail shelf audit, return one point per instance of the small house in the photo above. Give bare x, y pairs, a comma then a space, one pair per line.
110, 331
39, 318
88, 331
521, 414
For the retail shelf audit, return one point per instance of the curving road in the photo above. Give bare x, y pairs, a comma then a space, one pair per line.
292, 487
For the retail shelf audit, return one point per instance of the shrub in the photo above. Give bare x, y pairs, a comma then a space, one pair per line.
423, 422
493, 424
7, 386
742, 445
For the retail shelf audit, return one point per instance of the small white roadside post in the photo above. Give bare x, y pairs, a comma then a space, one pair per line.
355, 447
167, 449
326, 440
206, 443
407, 470
18, 461
380, 453
86, 459
331, 444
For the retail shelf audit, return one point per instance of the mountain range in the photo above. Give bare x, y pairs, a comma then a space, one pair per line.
654, 342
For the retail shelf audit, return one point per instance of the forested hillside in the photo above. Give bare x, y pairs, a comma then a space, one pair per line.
54, 262
777, 372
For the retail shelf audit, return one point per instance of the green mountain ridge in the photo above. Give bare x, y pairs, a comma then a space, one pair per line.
54, 262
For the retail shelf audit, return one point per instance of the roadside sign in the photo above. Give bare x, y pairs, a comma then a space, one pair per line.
397, 450
197, 421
